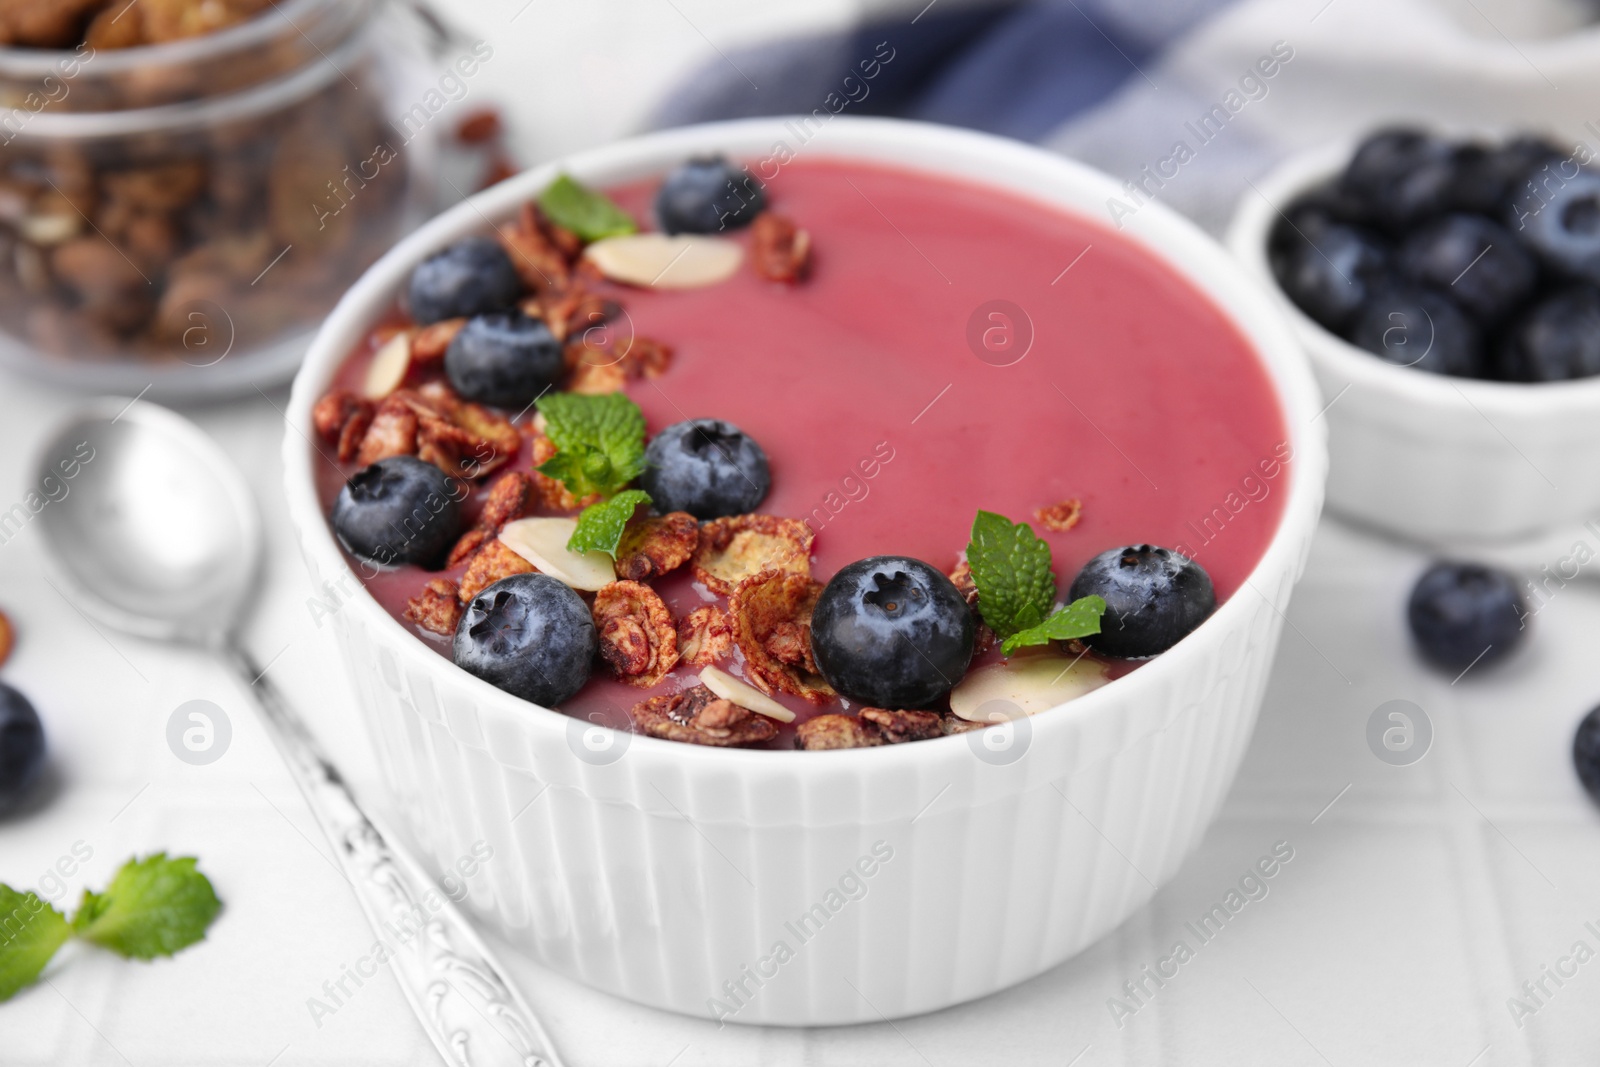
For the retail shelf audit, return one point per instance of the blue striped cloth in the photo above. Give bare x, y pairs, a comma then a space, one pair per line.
1022, 69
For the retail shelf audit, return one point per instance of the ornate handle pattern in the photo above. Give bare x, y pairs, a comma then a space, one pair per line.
472, 1012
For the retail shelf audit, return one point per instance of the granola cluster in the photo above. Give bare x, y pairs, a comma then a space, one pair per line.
115, 23
431, 423
698, 716
638, 637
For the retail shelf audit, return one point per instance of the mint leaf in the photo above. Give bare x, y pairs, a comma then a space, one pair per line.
600, 526
1011, 568
30, 932
153, 907
588, 214
1078, 619
599, 441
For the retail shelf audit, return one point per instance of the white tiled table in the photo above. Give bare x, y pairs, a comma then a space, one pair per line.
1413, 908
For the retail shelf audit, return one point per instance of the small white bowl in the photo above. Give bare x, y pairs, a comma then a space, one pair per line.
939, 871
1448, 461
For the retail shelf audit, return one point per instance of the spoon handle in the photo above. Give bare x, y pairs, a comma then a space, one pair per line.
464, 999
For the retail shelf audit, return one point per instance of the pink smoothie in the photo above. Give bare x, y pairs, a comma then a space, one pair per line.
1108, 379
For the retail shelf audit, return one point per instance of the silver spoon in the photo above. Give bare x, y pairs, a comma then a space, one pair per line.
158, 536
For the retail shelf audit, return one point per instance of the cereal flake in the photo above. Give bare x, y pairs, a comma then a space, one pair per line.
771, 614
735, 548
656, 545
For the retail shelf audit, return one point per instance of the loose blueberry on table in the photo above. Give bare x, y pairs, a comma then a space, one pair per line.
572, 510
21, 748
1456, 258
1586, 753
1465, 614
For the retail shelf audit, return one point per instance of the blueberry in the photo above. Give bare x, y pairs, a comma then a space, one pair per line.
1464, 613
1557, 339
529, 635
1332, 272
1415, 327
1154, 598
505, 359
1402, 176
1564, 230
892, 632
399, 510
708, 195
1489, 179
21, 748
1477, 262
1586, 753
471, 277
1537, 167
706, 467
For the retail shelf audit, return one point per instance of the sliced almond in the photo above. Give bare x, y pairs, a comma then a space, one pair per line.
728, 687
50, 229
1026, 685
388, 368
543, 543
657, 261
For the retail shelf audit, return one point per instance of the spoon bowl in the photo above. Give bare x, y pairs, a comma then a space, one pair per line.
156, 534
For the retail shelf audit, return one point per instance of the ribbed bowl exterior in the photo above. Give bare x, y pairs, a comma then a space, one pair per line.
660, 885
832, 887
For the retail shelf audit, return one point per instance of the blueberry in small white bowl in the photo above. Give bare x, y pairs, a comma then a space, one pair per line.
1447, 290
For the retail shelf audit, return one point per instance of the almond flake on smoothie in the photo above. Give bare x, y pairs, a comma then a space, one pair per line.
657, 261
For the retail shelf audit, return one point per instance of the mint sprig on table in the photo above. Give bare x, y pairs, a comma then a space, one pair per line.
30, 933
153, 907
1016, 587
599, 449
588, 214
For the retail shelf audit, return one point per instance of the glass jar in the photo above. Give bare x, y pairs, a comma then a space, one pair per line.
178, 217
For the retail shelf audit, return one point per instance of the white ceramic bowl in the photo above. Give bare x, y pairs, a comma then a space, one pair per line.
668, 873
1449, 461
